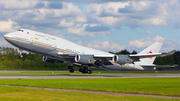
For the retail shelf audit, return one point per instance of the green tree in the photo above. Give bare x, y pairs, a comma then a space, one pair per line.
18, 64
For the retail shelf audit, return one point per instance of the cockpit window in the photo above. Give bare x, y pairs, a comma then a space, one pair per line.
20, 30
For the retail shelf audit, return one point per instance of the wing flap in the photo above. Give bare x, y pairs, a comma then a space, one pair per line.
103, 57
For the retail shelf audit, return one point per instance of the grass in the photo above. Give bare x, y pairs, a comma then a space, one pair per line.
24, 94
155, 86
94, 73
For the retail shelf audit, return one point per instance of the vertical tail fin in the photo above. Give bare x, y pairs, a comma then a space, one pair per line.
154, 48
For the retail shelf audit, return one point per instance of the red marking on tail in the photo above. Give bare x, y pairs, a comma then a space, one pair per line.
150, 52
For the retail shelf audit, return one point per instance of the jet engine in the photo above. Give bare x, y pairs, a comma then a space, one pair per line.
48, 59
82, 59
51, 60
121, 59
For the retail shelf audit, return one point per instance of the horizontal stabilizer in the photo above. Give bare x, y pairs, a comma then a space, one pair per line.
169, 53
153, 54
146, 55
157, 66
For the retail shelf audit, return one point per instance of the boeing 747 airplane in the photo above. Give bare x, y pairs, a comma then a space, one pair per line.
55, 49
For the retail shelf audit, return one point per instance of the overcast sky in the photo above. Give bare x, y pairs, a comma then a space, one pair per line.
108, 25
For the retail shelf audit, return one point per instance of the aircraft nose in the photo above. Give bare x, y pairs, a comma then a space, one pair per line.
8, 35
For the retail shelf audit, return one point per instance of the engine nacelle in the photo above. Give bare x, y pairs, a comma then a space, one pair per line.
82, 59
48, 59
51, 60
121, 59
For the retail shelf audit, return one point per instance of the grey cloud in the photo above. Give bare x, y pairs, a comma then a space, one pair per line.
96, 29
39, 24
29, 15
99, 1
105, 14
51, 5
91, 20
136, 16
147, 11
55, 5
90, 1
128, 9
39, 5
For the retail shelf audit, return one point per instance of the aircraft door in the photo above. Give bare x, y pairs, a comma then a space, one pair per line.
83, 52
31, 40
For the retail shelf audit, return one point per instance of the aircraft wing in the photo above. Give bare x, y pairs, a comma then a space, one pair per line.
87, 59
96, 57
153, 54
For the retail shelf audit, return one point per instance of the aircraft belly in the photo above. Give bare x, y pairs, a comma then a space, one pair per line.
117, 67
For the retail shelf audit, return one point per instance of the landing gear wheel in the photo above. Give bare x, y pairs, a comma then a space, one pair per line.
80, 70
20, 56
71, 70
89, 71
84, 71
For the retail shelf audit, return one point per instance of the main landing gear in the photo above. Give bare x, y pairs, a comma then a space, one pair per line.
71, 70
83, 69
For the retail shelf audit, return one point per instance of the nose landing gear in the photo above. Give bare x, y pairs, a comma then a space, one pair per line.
20, 56
20, 53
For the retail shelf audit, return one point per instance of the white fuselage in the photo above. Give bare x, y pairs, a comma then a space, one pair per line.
53, 46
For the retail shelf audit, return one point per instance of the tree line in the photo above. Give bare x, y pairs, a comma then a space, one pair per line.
9, 59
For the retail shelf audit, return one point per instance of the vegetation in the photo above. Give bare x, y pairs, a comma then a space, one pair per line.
25, 94
101, 72
9, 60
152, 86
